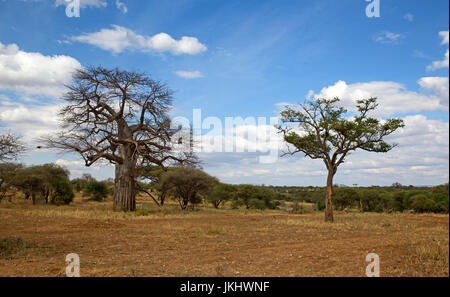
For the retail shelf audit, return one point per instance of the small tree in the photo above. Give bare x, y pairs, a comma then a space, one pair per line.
220, 194
10, 147
62, 193
243, 195
7, 174
328, 135
40, 181
422, 203
153, 174
346, 197
96, 190
186, 183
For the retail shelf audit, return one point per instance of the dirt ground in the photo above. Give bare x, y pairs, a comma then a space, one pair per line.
34, 241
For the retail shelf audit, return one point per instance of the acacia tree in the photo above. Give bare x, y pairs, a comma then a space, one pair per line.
7, 174
220, 194
328, 135
186, 183
10, 147
121, 117
153, 175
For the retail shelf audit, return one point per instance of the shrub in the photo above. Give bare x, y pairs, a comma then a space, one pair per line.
63, 193
422, 203
257, 204
96, 190
320, 204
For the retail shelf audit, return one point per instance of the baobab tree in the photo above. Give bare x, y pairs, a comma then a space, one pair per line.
325, 133
121, 117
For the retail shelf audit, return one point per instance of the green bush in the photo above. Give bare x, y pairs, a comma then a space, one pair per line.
422, 203
320, 205
63, 193
96, 190
442, 202
257, 204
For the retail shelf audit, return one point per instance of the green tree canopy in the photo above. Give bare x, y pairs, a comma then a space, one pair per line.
324, 130
186, 183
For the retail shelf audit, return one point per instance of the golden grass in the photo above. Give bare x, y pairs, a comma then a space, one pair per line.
217, 242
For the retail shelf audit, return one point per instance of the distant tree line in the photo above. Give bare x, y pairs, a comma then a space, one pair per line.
49, 183
396, 198
190, 186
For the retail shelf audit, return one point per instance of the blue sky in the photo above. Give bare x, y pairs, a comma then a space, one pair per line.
249, 58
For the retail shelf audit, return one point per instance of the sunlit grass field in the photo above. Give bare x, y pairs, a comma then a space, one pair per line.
167, 241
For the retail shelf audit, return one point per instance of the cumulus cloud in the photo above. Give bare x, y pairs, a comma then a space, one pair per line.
393, 97
83, 3
76, 167
121, 6
34, 73
119, 39
387, 37
438, 85
189, 74
421, 159
443, 63
31, 121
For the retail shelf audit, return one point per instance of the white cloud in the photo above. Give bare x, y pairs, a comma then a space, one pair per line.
438, 85
392, 97
444, 35
189, 74
443, 63
120, 38
409, 17
34, 73
31, 121
421, 159
83, 3
77, 167
439, 64
387, 37
121, 6
68, 163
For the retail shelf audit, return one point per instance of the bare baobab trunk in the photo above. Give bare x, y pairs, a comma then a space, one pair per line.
124, 189
329, 198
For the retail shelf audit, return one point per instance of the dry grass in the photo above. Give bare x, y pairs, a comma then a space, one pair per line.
208, 242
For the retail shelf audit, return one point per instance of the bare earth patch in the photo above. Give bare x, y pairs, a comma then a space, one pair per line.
212, 242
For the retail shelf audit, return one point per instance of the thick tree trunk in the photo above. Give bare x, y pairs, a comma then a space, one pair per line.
329, 198
124, 189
